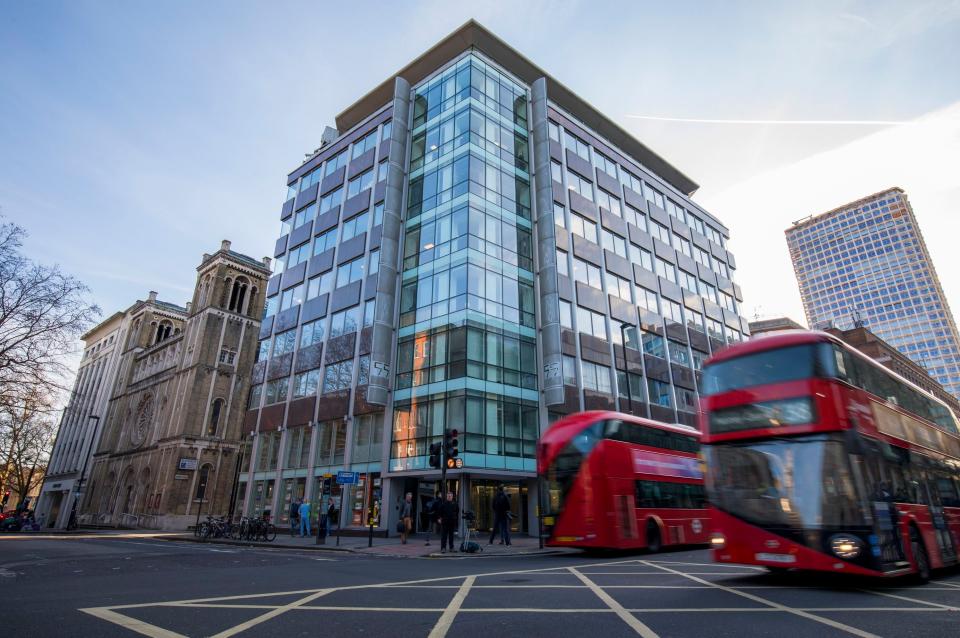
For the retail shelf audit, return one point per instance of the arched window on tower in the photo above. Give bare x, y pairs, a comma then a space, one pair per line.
238, 294
164, 331
215, 412
227, 290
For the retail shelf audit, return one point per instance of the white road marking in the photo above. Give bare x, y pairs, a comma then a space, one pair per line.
613, 604
671, 562
450, 613
132, 624
273, 613
910, 600
765, 601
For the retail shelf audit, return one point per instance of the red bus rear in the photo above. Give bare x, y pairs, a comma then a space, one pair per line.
820, 458
616, 481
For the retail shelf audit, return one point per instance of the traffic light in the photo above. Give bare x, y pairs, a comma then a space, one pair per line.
451, 445
435, 449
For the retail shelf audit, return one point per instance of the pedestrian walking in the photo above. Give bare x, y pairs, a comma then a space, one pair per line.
331, 515
433, 514
294, 516
305, 519
406, 516
449, 517
501, 517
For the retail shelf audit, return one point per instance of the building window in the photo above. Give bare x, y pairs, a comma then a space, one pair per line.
227, 356
253, 400
363, 371
630, 333
269, 450
660, 231
378, 214
583, 227
355, 226
304, 215
559, 215
331, 443
563, 267
659, 393
202, 479
311, 333
298, 254
263, 350
577, 145
374, 265
618, 286
556, 171
566, 315
277, 391
331, 200
586, 273
653, 344
344, 322
284, 342
676, 211
338, 377
595, 377
569, 370
697, 359
320, 285
386, 130
298, 447
305, 384
350, 272
614, 243
364, 144
686, 400
335, 163
382, 169
291, 297
591, 323
683, 245
647, 299
678, 353
325, 241
606, 164
367, 438
215, 409
359, 183
652, 195
671, 310
665, 269
580, 184
701, 256
642, 257
608, 201
636, 217
688, 281
694, 319
553, 131
369, 308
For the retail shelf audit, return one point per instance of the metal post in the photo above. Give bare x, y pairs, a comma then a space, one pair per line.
340, 518
626, 366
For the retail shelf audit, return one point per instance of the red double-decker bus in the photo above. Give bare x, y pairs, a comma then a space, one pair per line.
615, 481
820, 458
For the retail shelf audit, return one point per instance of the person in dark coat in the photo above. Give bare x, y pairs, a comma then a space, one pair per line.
501, 517
449, 517
294, 516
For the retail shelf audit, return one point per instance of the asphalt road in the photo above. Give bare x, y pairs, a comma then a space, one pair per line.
125, 585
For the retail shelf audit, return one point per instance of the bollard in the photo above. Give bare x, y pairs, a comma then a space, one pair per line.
322, 530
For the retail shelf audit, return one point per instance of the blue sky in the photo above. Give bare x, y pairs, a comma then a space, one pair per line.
135, 136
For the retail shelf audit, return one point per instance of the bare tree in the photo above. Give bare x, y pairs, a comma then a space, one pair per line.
26, 435
43, 312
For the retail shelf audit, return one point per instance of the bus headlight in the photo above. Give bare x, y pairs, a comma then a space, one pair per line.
717, 540
844, 546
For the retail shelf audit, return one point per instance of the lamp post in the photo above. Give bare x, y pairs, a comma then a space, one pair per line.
626, 366
72, 523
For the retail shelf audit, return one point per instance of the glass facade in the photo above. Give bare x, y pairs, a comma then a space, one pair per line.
466, 353
866, 264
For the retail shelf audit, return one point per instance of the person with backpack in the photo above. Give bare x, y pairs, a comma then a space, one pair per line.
501, 517
449, 517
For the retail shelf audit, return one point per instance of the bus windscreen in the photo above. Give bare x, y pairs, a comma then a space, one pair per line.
769, 366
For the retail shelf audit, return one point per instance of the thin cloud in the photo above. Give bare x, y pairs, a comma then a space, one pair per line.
696, 120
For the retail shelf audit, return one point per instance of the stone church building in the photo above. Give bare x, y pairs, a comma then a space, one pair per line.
171, 441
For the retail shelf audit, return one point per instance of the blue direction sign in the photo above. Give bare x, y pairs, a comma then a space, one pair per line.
348, 478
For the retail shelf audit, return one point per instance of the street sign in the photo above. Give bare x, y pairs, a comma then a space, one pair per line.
188, 464
348, 478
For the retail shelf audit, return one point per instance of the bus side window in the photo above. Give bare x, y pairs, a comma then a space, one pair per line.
614, 430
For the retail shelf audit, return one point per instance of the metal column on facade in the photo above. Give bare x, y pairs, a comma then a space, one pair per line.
385, 310
546, 250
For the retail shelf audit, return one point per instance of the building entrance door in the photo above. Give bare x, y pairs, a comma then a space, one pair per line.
481, 500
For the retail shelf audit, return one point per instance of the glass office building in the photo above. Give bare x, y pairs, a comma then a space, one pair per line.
475, 248
866, 264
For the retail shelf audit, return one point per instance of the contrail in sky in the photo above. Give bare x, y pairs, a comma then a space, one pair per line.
802, 122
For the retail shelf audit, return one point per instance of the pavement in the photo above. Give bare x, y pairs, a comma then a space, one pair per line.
416, 546
125, 584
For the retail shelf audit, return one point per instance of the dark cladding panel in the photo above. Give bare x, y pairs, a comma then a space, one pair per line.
357, 203
306, 197
582, 205
300, 234
333, 180
280, 247
352, 248
345, 296
294, 275
362, 163
320, 263
287, 209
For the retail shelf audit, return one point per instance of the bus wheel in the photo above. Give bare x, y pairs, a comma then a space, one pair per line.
653, 537
920, 559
